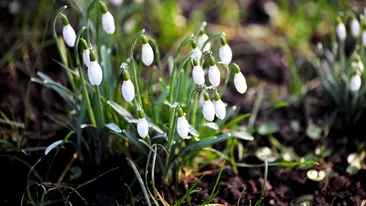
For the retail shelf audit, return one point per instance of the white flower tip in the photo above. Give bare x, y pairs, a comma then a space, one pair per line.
208, 110
355, 83
128, 90
182, 127
147, 54
108, 23
142, 127
95, 73
240, 83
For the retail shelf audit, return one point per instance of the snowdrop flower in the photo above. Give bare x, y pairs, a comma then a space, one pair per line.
142, 125
355, 83
239, 80
116, 2
68, 32
202, 38
95, 72
355, 28
198, 73
208, 108
213, 73
341, 30
225, 52
128, 90
107, 19
196, 51
364, 38
86, 52
357, 64
220, 108
147, 53
182, 125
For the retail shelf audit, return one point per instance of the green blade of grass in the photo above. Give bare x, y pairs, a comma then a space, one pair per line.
144, 191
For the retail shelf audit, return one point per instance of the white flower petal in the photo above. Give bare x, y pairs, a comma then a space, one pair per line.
128, 90
108, 23
201, 40
341, 32
355, 83
95, 73
220, 109
240, 83
69, 35
355, 28
208, 110
142, 127
225, 54
364, 38
116, 2
86, 57
198, 75
214, 75
182, 127
147, 54
197, 54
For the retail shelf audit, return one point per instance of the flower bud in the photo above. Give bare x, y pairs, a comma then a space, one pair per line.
355, 83
341, 30
68, 32
142, 125
182, 125
198, 73
107, 19
225, 52
239, 80
208, 108
116, 2
128, 89
202, 38
220, 108
86, 52
95, 72
214, 75
355, 28
147, 53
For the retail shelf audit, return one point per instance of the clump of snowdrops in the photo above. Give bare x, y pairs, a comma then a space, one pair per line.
165, 115
343, 75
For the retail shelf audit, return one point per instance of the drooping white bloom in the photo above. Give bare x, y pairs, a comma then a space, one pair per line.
142, 127
202, 38
182, 125
341, 31
128, 90
355, 83
147, 53
240, 83
355, 28
69, 35
208, 108
107, 19
239, 80
86, 57
220, 109
214, 75
364, 38
198, 73
225, 54
116, 2
197, 54
95, 73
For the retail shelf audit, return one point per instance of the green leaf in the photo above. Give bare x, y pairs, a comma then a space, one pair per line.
120, 110
134, 141
113, 127
268, 128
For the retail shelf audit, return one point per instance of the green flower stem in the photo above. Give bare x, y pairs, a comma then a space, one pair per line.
192, 98
228, 74
138, 35
97, 29
85, 91
184, 42
204, 54
158, 60
63, 58
214, 36
99, 102
90, 8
